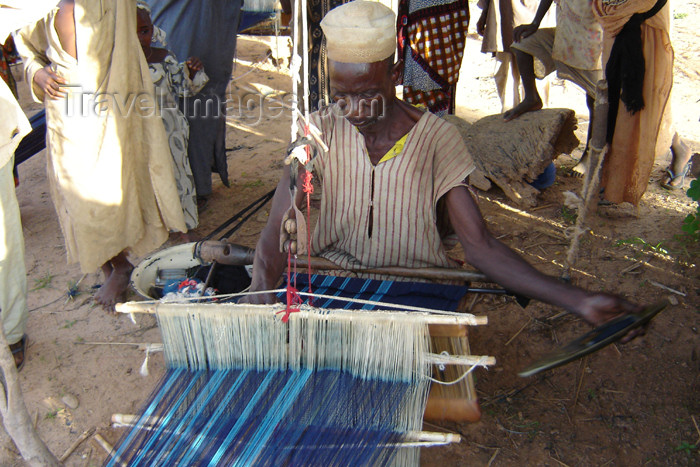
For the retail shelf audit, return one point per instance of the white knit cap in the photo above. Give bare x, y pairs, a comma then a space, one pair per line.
360, 32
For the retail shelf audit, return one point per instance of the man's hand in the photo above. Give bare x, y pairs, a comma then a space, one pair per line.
600, 308
524, 30
194, 65
50, 83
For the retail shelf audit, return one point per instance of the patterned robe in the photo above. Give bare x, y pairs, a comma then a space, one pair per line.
171, 80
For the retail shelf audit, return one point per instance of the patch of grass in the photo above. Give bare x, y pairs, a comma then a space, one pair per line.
253, 184
42, 282
569, 215
50, 415
686, 447
591, 394
680, 15
644, 245
69, 324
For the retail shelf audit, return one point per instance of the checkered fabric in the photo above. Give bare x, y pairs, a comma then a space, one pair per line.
432, 37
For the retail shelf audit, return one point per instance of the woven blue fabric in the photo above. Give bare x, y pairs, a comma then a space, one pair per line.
420, 294
276, 418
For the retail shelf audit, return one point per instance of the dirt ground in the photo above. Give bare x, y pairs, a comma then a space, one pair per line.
632, 404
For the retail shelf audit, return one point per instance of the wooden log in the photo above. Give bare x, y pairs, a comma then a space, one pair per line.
511, 154
238, 255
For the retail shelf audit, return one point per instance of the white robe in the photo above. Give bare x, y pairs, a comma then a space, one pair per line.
109, 166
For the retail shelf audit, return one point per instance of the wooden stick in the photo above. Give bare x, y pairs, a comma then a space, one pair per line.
86, 434
130, 420
518, 333
661, 286
696, 428
493, 457
580, 382
537, 208
89, 457
108, 448
237, 255
468, 360
449, 318
151, 347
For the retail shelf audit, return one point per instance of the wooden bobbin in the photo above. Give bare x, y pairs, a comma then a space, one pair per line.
290, 225
290, 246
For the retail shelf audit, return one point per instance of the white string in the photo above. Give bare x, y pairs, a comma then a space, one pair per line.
294, 67
305, 49
144, 365
480, 363
315, 295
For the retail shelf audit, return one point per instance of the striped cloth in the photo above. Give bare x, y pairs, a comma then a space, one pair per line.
420, 294
400, 194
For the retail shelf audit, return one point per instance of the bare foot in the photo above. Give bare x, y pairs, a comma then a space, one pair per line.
107, 270
528, 105
579, 170
115, 286
675, 174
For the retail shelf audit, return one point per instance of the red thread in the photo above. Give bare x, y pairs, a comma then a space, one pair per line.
293, 297
308, 189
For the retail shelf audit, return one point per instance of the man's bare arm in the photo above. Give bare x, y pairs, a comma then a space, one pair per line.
269, 261
503, 265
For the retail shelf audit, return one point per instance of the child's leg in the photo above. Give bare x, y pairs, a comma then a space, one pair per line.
580, 168
531, 101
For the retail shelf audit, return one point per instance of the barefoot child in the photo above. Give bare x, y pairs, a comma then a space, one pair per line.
173, 79
573, 49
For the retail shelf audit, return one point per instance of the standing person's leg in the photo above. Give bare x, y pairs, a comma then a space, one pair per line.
587, 80
531, 100
680, 164
117, 273
536, 46
13, 275
579, 169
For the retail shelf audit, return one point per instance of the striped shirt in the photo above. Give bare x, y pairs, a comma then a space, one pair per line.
399, 194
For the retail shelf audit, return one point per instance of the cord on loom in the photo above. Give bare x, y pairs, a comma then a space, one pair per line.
480, 363
477, 320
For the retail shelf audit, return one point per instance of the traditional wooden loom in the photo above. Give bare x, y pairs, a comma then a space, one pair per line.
326, 387
297, 384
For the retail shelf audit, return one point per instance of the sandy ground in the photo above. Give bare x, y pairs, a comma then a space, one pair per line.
629, 404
